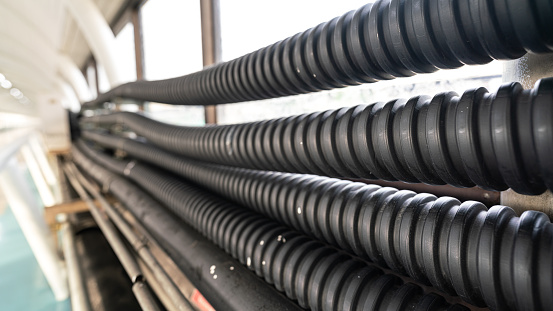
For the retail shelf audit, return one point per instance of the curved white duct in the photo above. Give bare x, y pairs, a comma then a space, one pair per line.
99, 36
74, 76
69, 100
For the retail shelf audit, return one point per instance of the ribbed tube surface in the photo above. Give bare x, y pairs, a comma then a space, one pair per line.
492, 140
194, 255
384, 40
464, 249
317, 276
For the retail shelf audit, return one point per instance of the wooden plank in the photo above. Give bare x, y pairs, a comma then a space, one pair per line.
77, 206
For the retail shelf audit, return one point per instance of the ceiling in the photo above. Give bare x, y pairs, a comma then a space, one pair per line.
34, 34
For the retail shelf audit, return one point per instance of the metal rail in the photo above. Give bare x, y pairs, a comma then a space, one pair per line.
137, 244
125, 257
194, 255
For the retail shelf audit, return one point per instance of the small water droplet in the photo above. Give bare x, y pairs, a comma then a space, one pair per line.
279, 238
231, 268
249, 261
299, 210
263, 262
261, 242
215, 277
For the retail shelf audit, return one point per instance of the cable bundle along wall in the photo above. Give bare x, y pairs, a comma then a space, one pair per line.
317, 276
492, 140
464, 242
232, 288
380, 41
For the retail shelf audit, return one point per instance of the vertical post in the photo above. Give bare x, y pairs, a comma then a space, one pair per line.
136, 18
211, 44
527, 70
96, 78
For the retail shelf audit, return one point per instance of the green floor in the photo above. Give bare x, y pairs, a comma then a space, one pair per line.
22, 284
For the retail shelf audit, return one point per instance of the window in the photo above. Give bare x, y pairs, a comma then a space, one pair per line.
172, 48
249, 25
124, 47
172, 38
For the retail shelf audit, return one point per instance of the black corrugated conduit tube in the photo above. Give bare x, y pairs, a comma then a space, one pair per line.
234, 287
317, 276
380, 41
493, 140
460, 248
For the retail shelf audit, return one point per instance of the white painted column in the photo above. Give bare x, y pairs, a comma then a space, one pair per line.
42, 186
98, 35
28, 214
38, 149
10, 142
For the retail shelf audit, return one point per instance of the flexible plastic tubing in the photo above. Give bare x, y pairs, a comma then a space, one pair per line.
460, 248
493, 140
380, 41
232, 288
317, 276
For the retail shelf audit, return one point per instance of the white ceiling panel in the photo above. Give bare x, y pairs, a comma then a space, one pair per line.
33, 34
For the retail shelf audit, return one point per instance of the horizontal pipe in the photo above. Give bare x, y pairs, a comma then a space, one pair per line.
183, 284
156, 287
109, 231
107, 283
493, 140
144, 296
136, 149
138, 245
379, 41
355, 217
283, 257
487, 197
232, 290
